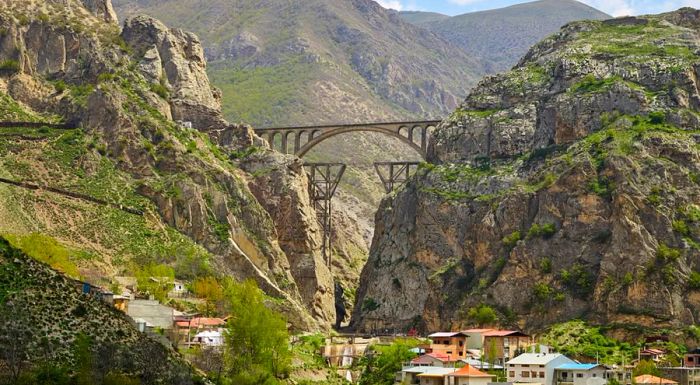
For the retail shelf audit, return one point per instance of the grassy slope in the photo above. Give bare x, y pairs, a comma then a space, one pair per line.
104, 241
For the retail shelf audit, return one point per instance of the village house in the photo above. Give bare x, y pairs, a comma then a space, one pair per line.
535, 368
476, 338
504, 344
433, 359
480, 364
409, 375
580, 374
452, 344
468, 375
683, 375
178, 290
651, 354
152, 313
435, 376
622, 374
692, 359
648, 379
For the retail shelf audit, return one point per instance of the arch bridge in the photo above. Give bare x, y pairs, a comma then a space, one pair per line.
324, 177
300, 140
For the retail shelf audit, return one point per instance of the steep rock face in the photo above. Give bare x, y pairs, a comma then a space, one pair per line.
563, 189
122, 90
283, 192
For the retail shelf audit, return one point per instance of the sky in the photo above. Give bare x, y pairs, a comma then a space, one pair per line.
612, 7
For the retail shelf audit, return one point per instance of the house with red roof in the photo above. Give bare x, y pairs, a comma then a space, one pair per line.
651, 354
648, 379
432, 359
469, 375
201, 323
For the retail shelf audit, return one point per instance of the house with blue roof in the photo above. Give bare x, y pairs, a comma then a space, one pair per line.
580, 374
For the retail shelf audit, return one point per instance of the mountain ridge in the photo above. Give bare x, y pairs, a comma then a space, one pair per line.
499, 37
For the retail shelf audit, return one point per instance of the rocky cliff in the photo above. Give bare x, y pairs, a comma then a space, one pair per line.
124, 90
565, 188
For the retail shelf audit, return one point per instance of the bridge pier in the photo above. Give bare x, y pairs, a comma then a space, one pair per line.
398, 173
323, 181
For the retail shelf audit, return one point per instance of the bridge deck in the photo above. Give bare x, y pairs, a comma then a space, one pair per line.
350, 125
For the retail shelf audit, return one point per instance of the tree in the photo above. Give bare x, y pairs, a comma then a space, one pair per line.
483, 315
381, 367
492, 353
156, 280
84, 358
257, 343
212, 292
645, 367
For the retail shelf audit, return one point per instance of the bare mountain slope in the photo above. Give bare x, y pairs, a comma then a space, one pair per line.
500, 37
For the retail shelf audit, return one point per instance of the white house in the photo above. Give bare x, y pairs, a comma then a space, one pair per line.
536, 368
580, 374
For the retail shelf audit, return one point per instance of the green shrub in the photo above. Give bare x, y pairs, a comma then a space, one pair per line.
542, 292
654, 197
546, 265
369, 305
601, 187
694, 280
10, 66
667, 254
545, 231
482, 315
628, 279
160, 90
680, 227
511, 240
657, 117
59, 86
105, 77
578, 279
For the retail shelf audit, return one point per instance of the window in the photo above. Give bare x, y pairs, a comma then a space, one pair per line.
579, 375
534, 374
541, 374
511, 374
526, 366
690, 358
448, 353
461, 343
594, 375
525, 374
460, 353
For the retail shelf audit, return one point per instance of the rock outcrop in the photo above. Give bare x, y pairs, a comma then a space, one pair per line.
565, 188
125, 89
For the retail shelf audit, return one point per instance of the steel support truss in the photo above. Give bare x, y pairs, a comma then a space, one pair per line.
394, 173
323, 181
